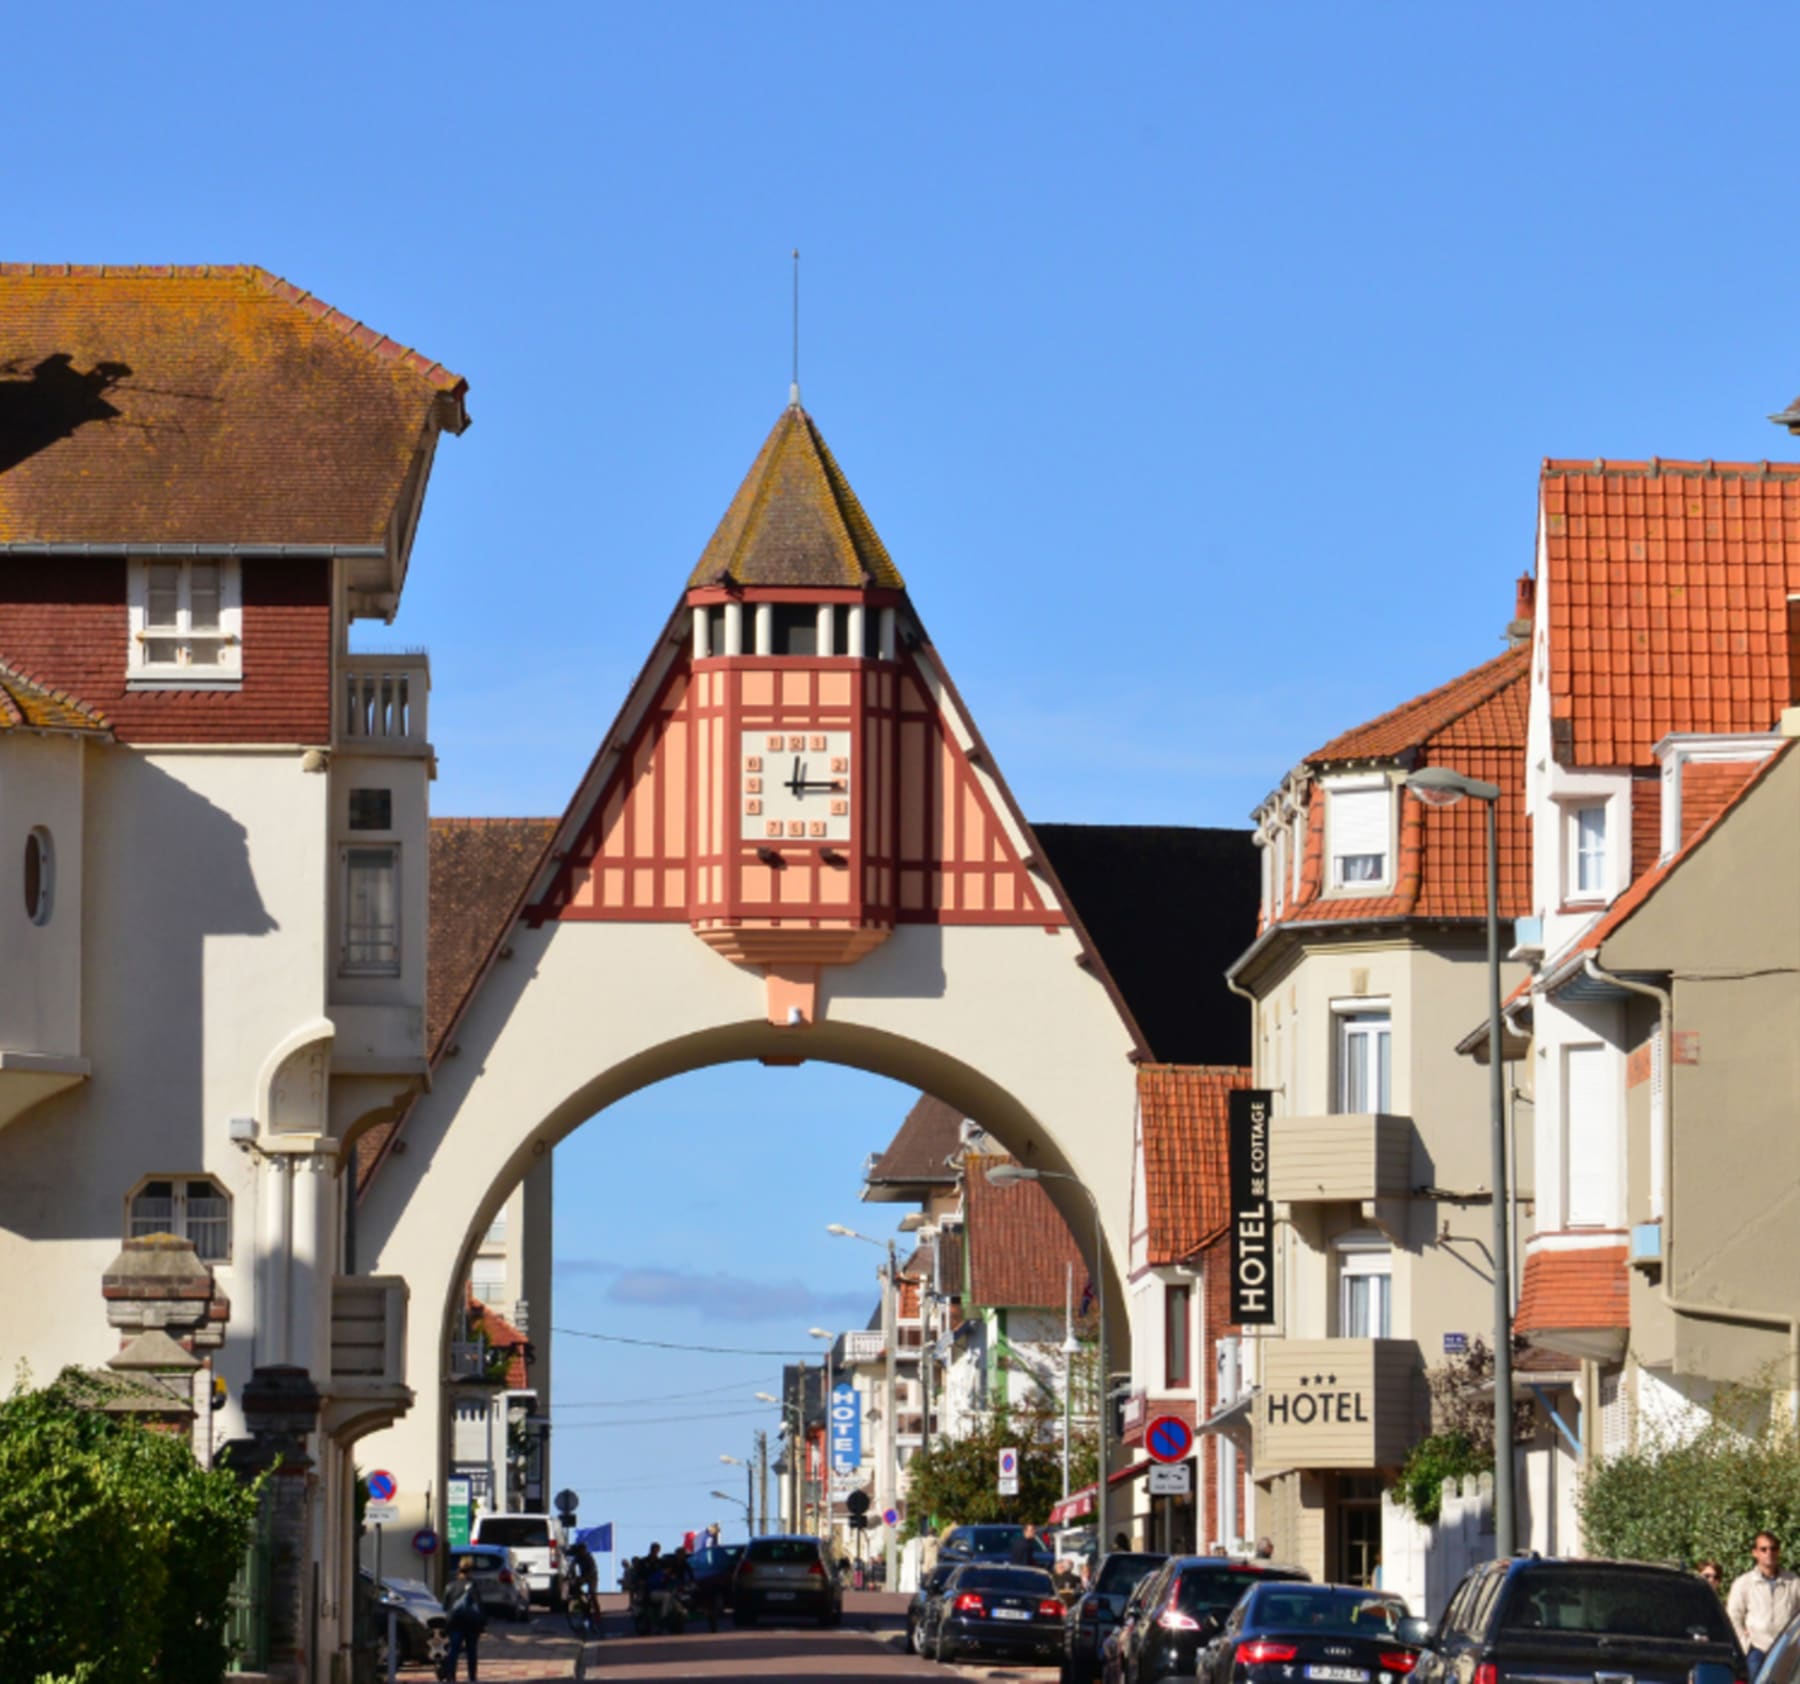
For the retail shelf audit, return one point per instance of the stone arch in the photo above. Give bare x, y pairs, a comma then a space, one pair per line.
292, 1088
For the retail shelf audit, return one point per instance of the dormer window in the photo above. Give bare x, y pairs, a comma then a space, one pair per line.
186, 622
1587, 851
1358, 819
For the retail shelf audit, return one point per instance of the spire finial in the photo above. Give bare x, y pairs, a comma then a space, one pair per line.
794, 384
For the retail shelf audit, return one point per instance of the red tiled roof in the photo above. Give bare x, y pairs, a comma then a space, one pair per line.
1019, 1247
1186, 1170
1574, 1289
203, 404
502, 1335
27, 705
1435, 712
1708, 787
1666, 587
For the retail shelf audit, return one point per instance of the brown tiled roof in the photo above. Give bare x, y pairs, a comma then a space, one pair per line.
926, 1146
1574, 1289
27, 705
201, 404
795, 521
1019, 1246
1666, 585
950, 1261
1186, 1169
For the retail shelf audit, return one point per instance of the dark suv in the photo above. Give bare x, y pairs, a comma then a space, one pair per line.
1184, 1602
1096, 1612
1530, 1618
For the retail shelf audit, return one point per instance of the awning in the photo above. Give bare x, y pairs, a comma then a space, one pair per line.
1078, 1505
1233, 1420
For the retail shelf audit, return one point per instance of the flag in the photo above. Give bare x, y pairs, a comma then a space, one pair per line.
598, 1538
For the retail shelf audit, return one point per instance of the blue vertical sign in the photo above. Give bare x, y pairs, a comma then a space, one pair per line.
846, 1428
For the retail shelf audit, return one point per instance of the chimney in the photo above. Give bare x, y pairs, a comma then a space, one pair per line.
1524, 610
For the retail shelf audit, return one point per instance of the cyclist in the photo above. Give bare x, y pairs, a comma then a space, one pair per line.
584, 1585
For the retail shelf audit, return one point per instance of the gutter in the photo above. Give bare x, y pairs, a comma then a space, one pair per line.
287, 552
1789, 1324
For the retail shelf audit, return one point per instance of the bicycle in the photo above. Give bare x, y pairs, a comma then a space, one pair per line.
581, 1607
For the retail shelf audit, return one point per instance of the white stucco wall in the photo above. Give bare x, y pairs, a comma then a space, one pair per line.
40, 980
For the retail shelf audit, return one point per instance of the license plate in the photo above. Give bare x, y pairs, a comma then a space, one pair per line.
788, 1596
1339, 1674
1011, 1614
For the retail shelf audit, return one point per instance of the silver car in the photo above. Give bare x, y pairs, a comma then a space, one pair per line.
498, 1581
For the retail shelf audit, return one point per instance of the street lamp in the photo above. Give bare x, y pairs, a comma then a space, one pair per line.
1005, 1175
726, 1497
749, 1489
794, 1418
890, 1337
1437, 786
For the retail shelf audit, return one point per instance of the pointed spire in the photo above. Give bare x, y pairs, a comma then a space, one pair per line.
795, 521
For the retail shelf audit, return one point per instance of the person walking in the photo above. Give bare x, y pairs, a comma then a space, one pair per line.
468, 1619
1713, 1574
1763, 1600
1265, 1549
1024, 1551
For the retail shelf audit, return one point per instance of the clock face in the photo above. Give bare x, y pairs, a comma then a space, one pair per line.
795, 786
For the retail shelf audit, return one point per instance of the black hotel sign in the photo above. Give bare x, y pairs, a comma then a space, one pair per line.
1252, 1249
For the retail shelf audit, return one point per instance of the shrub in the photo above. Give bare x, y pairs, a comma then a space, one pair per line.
1432, 1461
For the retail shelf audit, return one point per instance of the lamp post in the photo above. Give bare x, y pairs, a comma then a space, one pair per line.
1437, 786
1004, 1175
749, 1490
890, 1334
794, 1417
726, 1497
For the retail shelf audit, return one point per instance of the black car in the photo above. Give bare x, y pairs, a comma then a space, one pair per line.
930, 1588
989, 1541
1529, 1617
988, 1609
421, 1628
1325, 1634
711, 1571
1181, 1605
1095, 1614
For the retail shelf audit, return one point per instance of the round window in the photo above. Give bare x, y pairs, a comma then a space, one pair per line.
40, 876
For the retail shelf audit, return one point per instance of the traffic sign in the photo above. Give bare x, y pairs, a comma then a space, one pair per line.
890, 1517
857, 1502
1009, 1472
381, 1514
567, 1502
1168, 1439
425, 1541
1172, 1481
383, 1487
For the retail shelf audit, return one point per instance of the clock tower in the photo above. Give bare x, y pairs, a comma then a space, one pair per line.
795, 776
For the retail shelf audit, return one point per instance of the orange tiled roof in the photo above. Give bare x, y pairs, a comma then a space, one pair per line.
1437, 711
27, 705
1186, 1169
202, 404
1708, 787
1573, 1289
1019, 1247
1666, 587
502, 1335
795, 521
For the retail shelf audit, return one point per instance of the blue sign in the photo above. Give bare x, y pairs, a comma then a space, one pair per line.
597, 1538
846, 1428
425, 1541
1456, 1344
1168, 1438
382, 1486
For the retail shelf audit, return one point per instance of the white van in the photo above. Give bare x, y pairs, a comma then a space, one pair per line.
536, 1555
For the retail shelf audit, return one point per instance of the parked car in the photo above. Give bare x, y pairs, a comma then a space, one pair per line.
988, 1541
498, 1581
1184, 1600
537, 1556
421, 1627
713, 1570
917, 1611
1781, 1665
1528, 1617
1333, 1634
989, 1610
1095, 1615
786, 1575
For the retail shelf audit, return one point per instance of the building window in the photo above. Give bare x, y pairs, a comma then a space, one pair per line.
1365, 1062
1591, 1142
371, 911
1587, 852
197, 1210
186, 623
371, 809
1281, 869
1358, 821
796, 629
40, 875
1178, 1321
1365, 1266
489, 1285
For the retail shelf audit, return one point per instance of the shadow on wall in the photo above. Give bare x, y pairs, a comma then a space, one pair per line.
50, 402
173, 870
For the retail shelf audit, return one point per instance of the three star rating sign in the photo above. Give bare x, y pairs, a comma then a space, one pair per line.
1317, 1401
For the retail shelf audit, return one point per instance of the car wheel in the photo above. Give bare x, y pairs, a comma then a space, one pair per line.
915, 1637
946, 1649
437, 1646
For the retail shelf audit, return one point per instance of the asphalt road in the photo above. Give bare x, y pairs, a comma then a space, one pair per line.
869, 1644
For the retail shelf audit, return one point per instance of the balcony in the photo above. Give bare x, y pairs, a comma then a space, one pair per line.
1338, 1403
1358, 1158
368, 1354
381, 704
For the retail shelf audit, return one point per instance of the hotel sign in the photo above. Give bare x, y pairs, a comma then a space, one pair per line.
846, 1431
1336, 1403
1252, 1248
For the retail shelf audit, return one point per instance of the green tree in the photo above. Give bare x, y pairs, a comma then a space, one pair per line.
1461, 1441
956, 1481
120, 1548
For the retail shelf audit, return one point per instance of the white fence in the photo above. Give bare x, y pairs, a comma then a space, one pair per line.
1426, 1563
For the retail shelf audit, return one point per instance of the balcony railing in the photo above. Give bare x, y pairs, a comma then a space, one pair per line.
381, 702
1338, 1403
1363, 1155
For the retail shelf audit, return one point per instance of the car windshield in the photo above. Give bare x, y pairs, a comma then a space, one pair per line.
992, 1540
1616, 1602
485, 1561
785, 1552
1324, 1608
520, 1531
414, 1588
938, 1577
1121, 1570
1023, 1581
1217, 1590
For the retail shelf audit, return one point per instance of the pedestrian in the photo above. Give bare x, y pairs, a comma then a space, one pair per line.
1763, 1600
1713, 1574
1024, 1551
1122, 1541
468, 1619
1265, 1549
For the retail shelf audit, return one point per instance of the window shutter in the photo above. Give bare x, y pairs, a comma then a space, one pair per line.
1359, 822
1591, 1128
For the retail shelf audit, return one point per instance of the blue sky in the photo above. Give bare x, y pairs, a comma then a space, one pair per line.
1194, 361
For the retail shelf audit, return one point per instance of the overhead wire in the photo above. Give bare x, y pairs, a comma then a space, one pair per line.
672, 1345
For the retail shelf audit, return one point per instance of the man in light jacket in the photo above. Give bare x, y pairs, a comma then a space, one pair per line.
1763, 1600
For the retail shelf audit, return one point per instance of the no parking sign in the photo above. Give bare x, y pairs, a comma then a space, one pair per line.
1009, 1472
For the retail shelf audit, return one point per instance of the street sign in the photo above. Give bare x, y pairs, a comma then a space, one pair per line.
890, 1517
383, 1487
857, 1502
1456, 1344
1009, 1472
846, 1428
425, 1541
381, 1514
1168, 1439
567, 1502
1172, 1480
458, 1493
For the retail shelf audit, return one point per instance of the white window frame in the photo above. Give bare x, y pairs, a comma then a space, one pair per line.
382, 967
1364, 1255
1603, 1141
1575, 892
178, 1220
142, 673
1360, 1019
1360, 885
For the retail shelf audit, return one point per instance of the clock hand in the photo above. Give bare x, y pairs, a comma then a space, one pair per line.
798, 777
